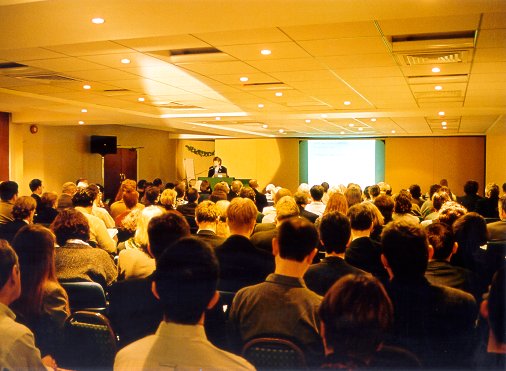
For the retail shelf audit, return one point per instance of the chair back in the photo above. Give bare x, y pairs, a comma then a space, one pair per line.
90, 341
496, 255
274, 353
85, 296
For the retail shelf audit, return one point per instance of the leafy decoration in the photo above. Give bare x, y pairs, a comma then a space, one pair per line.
199, 152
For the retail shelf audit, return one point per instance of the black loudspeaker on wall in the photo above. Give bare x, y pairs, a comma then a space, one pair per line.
103, 144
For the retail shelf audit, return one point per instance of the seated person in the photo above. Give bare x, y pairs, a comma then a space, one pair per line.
355, 306
76, 260
282, 306
363, 252
206, 216
185, 284
335, 236
316, 206
188, 209
241, 264
23, 213
497, 230
302, 200
434, 322
270, 211
47, 211
17, 346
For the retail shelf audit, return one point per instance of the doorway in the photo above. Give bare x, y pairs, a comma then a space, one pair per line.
118, 167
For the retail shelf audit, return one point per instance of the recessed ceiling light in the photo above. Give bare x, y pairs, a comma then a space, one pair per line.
438, 87
125, 61
141, 99
393, 131
441, 113
98, 20
360, 129
324, 116
373, 119
342, 132
436, 69
81, 122
281, 131
244, 79
279, 94
260, 105
265, 126
308, 121
84, 110
86, 87
218, 118
346, 102
444, 123
351, 125
265, 52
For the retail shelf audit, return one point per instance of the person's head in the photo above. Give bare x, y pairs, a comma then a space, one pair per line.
241, 216
69, 188
247, 192
141, 185
10, 279
415, 191
439, 199
402, 202
222, 227
492, 191
385, 188
216, 161
192, 195
206, 212
470, 232
325, 186
185, 281
336, 202
144, 217
95, 190
405, 249
356, 314
377, 218
502, 207
83, 197
317, 192
297, 240
48, 199
385, 205
494, 306
471, 187
335, 232
157, 182
236, 186
8, 190
151, 195
253, 183
218, 195
286, 208
353, 195
164, 230
504, 187
450, 212
35, 186
168, 199
130, 198
168, 185
35, 247
70, 224
301, 198
24, 208
361, 217
441, 239
205, 186
374, 191
82, 182
280, 193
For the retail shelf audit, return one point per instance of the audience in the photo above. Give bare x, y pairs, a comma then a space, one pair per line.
470, 200
222, 227
119, 207
270, 211
207, 216
497, 230
75, 259
260, 198
185, 288
283, 305
36, 187
188, 209
17, 345
316, 206
47, 211
43, 305
98, 208
335, 237
427, 206
434, 322
168, 199
487, 206
65, 198
8, 195
23, 213
302, 200
403, 208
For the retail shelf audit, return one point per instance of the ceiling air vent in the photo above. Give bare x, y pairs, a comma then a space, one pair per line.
43, 77
191, 55
24, 72
116, 92
177, 106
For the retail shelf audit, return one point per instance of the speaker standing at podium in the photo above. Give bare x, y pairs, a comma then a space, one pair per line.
217, 170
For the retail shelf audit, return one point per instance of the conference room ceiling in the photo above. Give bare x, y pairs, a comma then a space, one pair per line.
341, 68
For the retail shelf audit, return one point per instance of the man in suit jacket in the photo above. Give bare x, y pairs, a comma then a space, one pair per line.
434, 322
497, 230
217, 168
206, 216
302, 200
260, 198
335, 236
471, 198
36, 188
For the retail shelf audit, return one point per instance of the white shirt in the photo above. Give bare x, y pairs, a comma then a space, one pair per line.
316, 207
177, 347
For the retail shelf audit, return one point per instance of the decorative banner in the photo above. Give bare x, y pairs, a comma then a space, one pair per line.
199, 152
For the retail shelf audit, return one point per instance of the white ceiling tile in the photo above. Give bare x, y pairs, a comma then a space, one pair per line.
490, 55
251, 52
288, 64
345, 46
163, 43
492, 38
91, 48
66, 64
428, 25
236, 37
359, 61
219, 68
331, 31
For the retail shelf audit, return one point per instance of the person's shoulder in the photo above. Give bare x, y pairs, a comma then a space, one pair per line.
453, 296
134, 353
227, 360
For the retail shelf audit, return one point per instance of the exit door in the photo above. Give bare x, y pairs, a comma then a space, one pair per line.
118, 167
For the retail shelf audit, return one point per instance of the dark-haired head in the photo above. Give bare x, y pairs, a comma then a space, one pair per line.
297, 239
335, 232
441, 239
70, 224
164, 230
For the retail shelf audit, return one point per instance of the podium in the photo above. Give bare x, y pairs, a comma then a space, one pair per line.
213, 181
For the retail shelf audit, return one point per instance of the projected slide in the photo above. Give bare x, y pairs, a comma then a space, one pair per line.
342, 161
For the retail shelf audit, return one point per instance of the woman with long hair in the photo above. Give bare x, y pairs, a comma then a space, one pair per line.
43, 305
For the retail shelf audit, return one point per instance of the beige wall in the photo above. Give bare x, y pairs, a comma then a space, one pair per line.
200, 164
426, 161
60, 154
496, 154
268, 160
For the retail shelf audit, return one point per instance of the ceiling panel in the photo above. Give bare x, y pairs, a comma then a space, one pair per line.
251, 52
219, 68
92, 48
428, 25
331, 31
20, 55
345, 46
237, 37
147, 44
